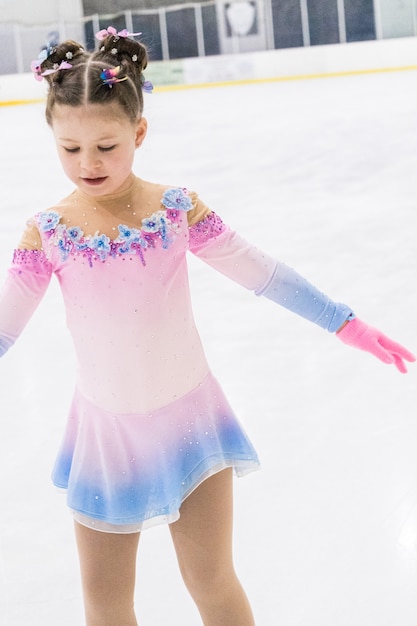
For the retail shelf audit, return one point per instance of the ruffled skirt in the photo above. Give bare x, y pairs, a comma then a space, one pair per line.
126, 472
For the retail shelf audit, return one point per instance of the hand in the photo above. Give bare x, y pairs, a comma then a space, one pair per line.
359, 335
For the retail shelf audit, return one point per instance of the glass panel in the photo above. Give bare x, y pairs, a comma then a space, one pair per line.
287, 27
33, 39
90, 40
397, 18
148, 25
323, 21
210, 29
360, 20
117, 21
178, 23
8, 62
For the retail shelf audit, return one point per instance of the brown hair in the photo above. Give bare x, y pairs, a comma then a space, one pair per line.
83, 83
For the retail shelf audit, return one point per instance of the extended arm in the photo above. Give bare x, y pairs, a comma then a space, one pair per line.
226, 251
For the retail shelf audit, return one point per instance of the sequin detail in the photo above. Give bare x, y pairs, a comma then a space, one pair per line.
210, 227
161, 226
35, 259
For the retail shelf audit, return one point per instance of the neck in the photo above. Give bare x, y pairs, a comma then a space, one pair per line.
122, 193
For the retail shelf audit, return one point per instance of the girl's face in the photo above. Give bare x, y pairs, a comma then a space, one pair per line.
96, 145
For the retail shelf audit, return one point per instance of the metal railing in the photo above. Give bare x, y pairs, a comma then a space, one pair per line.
218, 27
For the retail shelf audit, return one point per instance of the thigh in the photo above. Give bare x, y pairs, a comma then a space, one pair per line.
203, 535
108, 567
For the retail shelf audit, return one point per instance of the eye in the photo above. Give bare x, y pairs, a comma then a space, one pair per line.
71, 150
106, 148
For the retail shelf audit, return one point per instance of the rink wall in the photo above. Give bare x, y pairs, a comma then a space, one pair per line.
284, 64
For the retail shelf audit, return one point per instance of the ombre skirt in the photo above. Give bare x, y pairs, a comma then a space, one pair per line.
126, 472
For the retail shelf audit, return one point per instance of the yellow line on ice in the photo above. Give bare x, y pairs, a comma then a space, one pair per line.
278, 79
251, 81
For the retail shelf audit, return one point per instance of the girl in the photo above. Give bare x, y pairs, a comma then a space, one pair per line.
150, 436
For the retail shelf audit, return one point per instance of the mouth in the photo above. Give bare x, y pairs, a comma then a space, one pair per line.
94, 181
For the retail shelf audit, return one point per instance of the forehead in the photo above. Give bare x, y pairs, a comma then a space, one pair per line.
92, 120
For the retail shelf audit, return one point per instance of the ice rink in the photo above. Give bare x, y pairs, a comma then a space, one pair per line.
323, 175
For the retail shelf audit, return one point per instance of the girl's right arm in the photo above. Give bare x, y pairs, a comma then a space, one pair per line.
26, 282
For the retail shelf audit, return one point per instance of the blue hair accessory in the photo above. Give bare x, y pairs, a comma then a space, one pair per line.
147, 86
110, 76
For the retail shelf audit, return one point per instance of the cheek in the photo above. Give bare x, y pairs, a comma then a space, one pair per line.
67, 164
123, 160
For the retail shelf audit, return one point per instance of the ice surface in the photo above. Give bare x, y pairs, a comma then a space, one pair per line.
322, 174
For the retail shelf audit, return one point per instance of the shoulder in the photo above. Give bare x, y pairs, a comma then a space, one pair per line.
47, 220
180, 198
169, 196
39, 224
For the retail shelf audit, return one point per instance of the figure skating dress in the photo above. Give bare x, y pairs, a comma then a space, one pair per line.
148, 421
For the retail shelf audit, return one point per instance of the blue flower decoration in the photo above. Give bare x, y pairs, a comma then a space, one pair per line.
75, 233
64, 248
101, 245
152, 224
128, 236
177, 199
49, 221
160, 227
125, 232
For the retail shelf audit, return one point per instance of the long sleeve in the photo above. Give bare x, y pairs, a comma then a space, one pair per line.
222, 248
26, 282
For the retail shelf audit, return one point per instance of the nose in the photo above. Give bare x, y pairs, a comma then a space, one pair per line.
89, 160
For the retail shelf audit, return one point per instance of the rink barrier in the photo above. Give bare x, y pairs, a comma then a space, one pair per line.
247, 81
293, 64
278, 79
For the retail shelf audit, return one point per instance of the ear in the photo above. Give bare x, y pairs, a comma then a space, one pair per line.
141, 129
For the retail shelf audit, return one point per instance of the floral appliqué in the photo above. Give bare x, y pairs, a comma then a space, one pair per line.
161, 226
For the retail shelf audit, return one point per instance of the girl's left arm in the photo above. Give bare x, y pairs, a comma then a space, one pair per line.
222, 248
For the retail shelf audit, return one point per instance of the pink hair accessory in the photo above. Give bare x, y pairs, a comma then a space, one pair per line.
37, 70
35, 66
359, 335
102, 34
64, 65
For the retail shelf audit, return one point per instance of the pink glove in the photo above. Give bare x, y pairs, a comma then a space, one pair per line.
359, 335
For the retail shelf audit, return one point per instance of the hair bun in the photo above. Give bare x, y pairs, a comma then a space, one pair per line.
67, 52
118, 48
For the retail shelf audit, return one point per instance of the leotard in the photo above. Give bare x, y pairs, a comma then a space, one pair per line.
148, 421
